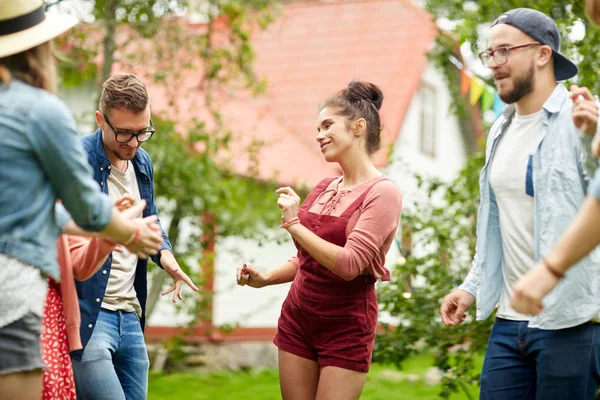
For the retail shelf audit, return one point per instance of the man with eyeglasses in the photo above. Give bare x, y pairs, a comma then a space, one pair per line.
538, 165
113, 363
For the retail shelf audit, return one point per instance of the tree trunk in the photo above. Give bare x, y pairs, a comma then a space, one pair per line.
208, 242
110, 44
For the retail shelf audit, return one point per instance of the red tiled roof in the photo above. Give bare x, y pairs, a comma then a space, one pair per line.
314, 49
311, 51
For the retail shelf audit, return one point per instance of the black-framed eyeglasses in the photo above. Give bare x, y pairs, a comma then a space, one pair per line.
125, 136
500, 54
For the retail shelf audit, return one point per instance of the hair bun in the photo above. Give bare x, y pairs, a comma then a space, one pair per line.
361, 90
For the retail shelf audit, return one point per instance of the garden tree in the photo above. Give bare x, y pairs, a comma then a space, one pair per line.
443, 236
193, 67
443, 229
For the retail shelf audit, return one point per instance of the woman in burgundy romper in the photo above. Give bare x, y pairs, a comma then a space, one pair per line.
343, 231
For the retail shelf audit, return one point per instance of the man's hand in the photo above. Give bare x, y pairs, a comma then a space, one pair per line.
172, 268
585, 110
531, 290
124, 202
454, 306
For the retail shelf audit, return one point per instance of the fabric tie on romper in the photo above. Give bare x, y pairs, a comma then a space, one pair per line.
334, 198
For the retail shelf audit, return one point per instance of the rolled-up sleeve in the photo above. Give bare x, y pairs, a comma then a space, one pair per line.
55, 141
594, 186
296, 261
379, 217
62, 216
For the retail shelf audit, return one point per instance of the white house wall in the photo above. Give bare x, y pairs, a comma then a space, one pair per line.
248, 306
450, 150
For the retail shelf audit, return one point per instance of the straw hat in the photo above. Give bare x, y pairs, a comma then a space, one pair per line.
24, 24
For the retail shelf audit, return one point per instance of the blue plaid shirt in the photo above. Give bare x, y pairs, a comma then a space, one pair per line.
558, 177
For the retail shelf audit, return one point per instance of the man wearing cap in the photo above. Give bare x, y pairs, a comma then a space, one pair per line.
582, 236
534, 180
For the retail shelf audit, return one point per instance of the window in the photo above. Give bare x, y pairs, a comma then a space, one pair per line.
428, 120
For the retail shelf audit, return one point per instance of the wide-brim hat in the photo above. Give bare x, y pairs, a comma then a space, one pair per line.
25, 24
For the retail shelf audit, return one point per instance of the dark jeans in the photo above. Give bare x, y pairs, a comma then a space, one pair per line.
535, 364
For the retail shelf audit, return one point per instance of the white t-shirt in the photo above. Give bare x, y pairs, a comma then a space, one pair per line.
511, 178
120, 293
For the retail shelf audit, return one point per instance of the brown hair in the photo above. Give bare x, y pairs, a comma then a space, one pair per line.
361, 100
36, 66
125, 91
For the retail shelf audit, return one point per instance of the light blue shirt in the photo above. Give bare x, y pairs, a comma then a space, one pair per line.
42, 160
594, 189
558, 177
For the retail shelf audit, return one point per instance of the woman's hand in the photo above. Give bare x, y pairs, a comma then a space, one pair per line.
289, 202
124, 202
248, 275
148, 238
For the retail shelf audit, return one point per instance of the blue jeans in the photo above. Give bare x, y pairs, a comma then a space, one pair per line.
114, 364
535, 364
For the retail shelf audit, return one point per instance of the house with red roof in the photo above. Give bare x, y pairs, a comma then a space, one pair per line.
312, 50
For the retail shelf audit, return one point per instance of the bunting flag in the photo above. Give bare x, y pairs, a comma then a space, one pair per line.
498, 106
477, 89
487, 98
480, 91
465, 81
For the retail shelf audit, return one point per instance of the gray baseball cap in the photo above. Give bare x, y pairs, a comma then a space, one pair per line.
543, 29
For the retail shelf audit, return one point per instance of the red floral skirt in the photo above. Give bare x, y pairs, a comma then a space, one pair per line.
58, 381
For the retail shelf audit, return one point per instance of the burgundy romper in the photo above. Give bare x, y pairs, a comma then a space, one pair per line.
324, 317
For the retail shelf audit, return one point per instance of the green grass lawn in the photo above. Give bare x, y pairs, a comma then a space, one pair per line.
264, 385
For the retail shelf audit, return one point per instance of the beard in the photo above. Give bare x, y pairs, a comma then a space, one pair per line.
522, 86
124, 156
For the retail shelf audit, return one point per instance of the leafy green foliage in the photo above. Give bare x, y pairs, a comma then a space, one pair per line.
194, 182
443, 230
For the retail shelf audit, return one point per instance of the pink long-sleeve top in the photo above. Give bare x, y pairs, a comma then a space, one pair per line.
79, 258
370, 230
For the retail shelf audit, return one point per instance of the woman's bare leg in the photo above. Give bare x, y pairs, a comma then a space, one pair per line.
298, 377
21, 385
340, 384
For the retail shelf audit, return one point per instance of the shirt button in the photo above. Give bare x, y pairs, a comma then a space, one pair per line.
101, 183
101, 169
90, 325
108, 167
98, 300
104, 271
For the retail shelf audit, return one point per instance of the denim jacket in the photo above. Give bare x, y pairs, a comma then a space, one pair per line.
91, 292
557, 177
42, 160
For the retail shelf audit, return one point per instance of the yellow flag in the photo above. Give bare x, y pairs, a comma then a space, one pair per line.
477, 87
